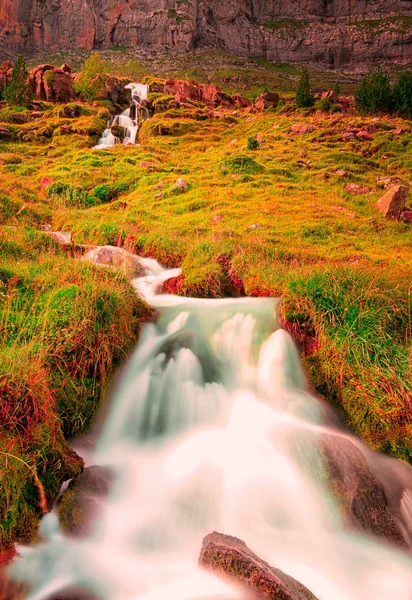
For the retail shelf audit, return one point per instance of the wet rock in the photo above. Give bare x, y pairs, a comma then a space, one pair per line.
357, 190
392, 203
359, 493
112, 256
302, 128
230, 557
80, 504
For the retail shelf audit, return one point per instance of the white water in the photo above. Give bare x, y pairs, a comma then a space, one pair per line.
139, 93
212, 428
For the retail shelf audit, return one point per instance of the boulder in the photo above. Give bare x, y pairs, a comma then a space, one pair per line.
359, 494
302, 128
187, 90
5, 133
181, 183
228, 556
213, 95
240, 101
357, 190
52, 84
392, 203
79, 505
112, 256
62, 237
267, 100
363, 136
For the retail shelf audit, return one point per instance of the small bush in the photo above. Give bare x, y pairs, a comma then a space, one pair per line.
252, 143
402, 95
92, 78
374, 94
18, 92
304, 97
242, 164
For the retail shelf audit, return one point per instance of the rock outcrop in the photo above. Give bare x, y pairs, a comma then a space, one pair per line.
52, 84
336, 32
230, 557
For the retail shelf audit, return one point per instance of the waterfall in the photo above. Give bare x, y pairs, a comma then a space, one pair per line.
212, 427
139, 93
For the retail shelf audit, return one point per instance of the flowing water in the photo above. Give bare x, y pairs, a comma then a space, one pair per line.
139, 93
212, 428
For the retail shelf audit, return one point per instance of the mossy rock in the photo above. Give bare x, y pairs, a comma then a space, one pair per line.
157, 127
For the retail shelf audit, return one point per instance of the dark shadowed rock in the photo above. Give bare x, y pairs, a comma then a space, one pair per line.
392, 203
228, 556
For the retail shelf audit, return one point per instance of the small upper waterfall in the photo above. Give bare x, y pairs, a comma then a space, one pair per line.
127, 123
213, 428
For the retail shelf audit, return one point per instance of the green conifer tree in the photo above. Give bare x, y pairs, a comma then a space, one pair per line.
374, 95
304, 97
402, 95
18, 92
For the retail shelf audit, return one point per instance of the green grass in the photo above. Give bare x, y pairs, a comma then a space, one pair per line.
64, 325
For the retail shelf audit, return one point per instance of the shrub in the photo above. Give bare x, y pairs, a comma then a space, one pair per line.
252, 143
93, 76
374, 94
402, 95
18, 92
304, 97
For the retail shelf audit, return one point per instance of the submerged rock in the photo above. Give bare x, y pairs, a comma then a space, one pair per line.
111, 256
229, 556
79, 505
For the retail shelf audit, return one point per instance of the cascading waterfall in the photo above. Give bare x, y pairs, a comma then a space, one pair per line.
212, 428
139, 93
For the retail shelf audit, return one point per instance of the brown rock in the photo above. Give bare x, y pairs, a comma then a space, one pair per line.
349, 136
392, 203
364, 136
267, 100
229, 556
398, 131
52, 84
213, 95
407, 216
240, 101
302, 128
357, 190
359, 493
5, 133
187, 90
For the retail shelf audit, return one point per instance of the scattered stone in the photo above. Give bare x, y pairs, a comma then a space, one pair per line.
144, 164
407, 216
260, 138
347, 212
267, 100
46, 227
254, 226
20, 118
389, 181
181, 183
118, 258
5, 133
216, 218
399, 131
230, 557
392, 203
364, 136
357, 190
341, 173
302, 128
349, 136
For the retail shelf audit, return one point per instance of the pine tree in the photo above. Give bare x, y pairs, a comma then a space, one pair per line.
304, 97
18, 92
402, 95
374, 94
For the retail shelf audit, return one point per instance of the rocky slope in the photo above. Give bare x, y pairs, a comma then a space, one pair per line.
334, 32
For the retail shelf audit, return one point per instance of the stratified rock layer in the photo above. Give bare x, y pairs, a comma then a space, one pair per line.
336, 32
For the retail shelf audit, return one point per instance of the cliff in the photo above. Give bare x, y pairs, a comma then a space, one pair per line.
333, 32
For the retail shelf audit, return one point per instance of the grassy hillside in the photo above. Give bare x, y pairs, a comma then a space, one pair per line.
273, 220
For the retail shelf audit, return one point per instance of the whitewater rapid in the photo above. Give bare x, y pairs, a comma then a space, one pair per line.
212, 427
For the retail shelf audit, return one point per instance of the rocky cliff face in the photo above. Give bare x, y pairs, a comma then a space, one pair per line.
335, 32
